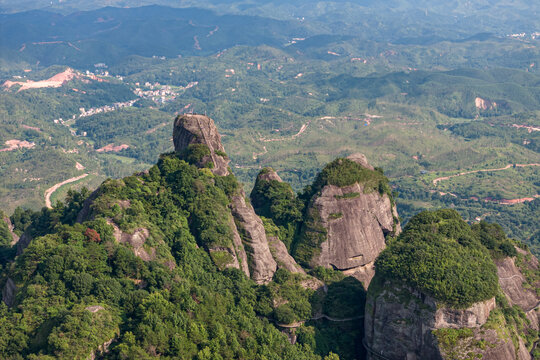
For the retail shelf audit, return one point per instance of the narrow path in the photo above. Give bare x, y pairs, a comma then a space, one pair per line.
435, 181
53, 188
329, 318
534, 307
303, 128
511, 277
318, 317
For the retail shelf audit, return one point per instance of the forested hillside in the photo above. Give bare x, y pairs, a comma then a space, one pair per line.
143, 266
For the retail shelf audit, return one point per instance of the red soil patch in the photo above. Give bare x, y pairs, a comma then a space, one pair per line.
31, 128
517, 201
18, 144
111, 147
56, 81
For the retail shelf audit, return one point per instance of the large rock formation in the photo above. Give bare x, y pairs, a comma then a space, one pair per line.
199, 129
11, 228
433, 295
403, 323
354, 223
262, 265
8, 292
520, 290
270, 190
251, 253
136, 241
281, 255
512, 280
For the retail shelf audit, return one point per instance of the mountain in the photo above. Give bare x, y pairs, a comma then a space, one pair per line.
180, 235
389, 19
175, 261
109, 35
349, 214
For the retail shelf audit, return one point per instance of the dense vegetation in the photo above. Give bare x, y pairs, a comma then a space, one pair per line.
352, 80
440, 255
344, 172
276, 200
84, 279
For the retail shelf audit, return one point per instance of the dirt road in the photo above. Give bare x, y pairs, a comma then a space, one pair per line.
53, 188
435, 181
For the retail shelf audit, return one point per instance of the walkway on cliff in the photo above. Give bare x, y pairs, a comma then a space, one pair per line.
318, 317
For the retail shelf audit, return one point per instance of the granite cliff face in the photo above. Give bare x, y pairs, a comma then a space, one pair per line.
250, 251
403, 323
270, 183
512, 281
262, 265
445, 289
352, 222
199, 129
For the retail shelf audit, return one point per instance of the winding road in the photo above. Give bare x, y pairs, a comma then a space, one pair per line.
53, 188
435, 181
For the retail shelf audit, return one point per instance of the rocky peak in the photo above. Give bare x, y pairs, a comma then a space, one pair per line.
268, 174
192, 129
348, 223
251, 254
360, 159
439, 293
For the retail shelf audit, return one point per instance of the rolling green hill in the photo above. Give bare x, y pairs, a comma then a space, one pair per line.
292, 98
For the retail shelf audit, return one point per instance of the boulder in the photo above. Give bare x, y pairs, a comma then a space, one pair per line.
200, 129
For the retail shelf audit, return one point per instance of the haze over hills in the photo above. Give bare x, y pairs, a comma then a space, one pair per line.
399, 18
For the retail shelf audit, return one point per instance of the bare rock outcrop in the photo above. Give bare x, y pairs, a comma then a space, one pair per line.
11, 228
512, 281
23, 242
277, 247
361, 159
269, 174
281, 255
483, 104
200, 129
136, 240
8, 292
250, 251
356, 224
403, 323
262, 265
